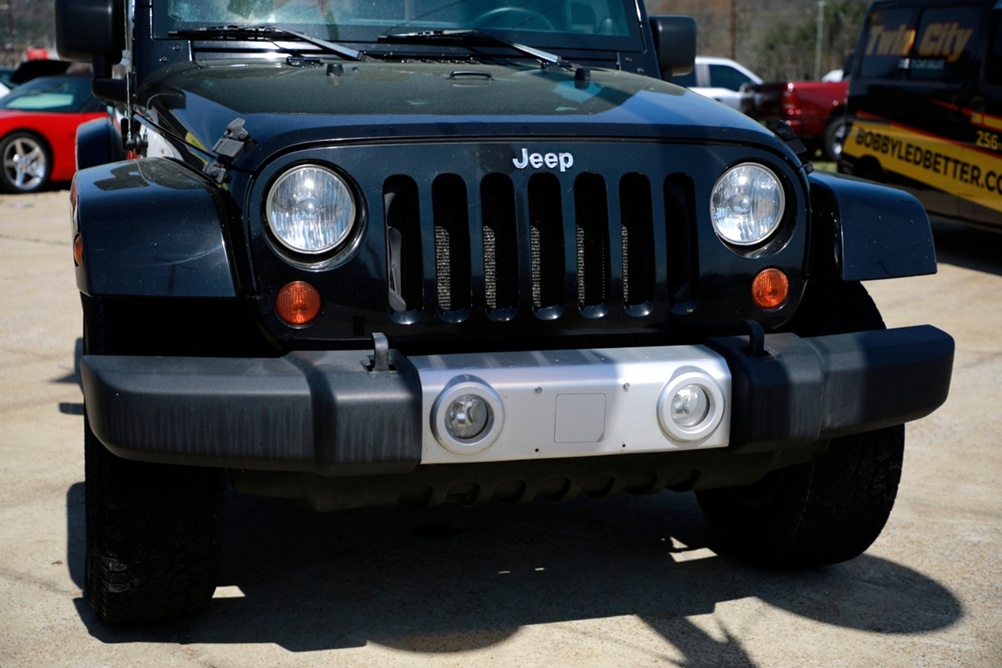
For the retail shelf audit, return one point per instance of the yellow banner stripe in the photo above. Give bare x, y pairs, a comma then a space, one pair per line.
986, 121
960, 169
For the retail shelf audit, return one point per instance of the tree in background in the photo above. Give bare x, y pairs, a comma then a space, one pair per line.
775, 38
787, 50
25, 24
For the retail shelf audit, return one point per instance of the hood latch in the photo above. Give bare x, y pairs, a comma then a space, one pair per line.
234, 142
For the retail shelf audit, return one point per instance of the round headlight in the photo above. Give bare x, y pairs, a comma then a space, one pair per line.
747, 204
310, 209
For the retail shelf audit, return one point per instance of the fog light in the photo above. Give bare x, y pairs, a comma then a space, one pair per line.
467, 416
691, 406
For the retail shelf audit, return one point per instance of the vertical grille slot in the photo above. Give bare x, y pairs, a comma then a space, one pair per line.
637, 222
452, 243
680, 227
546, 241
497, 201
403, 243
591, 211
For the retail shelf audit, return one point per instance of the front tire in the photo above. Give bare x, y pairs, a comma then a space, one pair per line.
820, 512
154, 537
154, 532
829, 509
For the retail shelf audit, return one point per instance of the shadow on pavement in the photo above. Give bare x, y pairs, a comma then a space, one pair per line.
968, 247
452, 579
76, 407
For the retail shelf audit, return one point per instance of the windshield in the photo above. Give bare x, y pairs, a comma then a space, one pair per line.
571, 23
52, 94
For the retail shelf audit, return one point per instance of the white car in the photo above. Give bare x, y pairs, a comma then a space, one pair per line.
718, 78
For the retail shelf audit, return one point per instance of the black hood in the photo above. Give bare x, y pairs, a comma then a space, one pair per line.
285, 105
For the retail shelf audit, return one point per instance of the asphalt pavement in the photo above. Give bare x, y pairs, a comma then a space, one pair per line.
632, 581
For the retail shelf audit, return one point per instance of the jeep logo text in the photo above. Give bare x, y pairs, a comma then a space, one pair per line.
539, 160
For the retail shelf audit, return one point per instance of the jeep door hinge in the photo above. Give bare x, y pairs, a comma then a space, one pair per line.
234, 142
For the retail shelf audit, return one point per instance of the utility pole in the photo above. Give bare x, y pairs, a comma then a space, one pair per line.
8, 44
734, 29
818, 39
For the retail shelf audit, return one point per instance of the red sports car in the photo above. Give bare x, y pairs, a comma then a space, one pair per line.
38, 126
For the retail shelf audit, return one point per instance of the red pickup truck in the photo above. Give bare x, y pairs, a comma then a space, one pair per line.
813, 108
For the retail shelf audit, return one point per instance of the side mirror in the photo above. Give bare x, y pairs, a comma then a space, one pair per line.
94, 31
675, 42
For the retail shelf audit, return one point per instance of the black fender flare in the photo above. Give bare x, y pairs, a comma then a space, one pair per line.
98, 142
877, 231
150, 228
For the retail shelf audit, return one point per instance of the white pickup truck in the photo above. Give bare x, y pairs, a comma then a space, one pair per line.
718, 78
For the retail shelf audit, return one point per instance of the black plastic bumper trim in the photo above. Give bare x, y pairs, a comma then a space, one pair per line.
323, 412
803, 390
328, 413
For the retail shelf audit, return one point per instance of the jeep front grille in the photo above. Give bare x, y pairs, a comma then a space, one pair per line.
552, 243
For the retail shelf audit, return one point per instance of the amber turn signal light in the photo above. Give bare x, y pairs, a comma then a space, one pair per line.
298, 303
77, 250
770, 289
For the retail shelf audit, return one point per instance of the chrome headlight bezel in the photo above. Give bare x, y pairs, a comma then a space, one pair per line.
747, 205
311, 210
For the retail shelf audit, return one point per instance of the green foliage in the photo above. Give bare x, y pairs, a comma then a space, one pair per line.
787, 50
775, 38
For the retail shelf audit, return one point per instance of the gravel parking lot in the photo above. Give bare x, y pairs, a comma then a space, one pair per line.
633, 581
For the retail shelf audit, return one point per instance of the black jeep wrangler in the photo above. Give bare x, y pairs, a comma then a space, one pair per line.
417, 251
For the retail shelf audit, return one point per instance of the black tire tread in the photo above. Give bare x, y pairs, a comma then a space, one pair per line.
820, 512
829, 509
154, 537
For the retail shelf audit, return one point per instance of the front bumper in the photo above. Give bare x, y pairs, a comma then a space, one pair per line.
350, 412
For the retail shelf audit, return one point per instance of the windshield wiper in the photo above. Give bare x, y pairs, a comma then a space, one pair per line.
472, 37
269, 33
